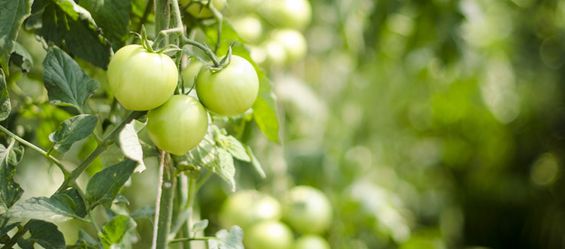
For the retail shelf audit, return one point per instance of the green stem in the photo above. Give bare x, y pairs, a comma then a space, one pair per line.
204, 48
164, 205
36, 148
192, 239
106, 141
162, 16
146, 13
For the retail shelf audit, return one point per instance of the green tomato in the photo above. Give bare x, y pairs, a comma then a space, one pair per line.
287, 13
179, 125
275, 53
199, 9
230, 91
248, 207
293, 43
311, 242
190, 72
268, 235
141, 80
249, 28
307, 210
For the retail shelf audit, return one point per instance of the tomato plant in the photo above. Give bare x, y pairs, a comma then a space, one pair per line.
287, 13
307, 210
231, 90
143, 128
190, 123
141, 80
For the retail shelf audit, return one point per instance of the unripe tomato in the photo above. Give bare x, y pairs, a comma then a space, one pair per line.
179, 125
248, 207
190, 72
230, 91
287, 13
311, 242
249, 28
307, 210
275, 53
141, 80
268, 235
293, 43
199, 9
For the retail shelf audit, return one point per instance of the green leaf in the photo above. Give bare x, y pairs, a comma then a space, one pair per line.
45, 234
65, 81
230, 239
85, 241
105, 185
255, 162
130, 145
112, 16
72, 30
233, 146
12, 15
199, 226
114, 231
58, 208
10, 191
5, 106
225, 167
265, 110
265, 107
21, 57
73, 130
75, 11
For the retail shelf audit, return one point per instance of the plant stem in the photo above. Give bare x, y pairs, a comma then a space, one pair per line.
164, 205
192, 239
205, 49
36, 148
162, 17
106, 141
146, 13
189, 201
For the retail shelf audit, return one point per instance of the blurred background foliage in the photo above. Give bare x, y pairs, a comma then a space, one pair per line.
429, 124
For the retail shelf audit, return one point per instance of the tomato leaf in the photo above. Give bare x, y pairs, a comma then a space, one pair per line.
12, 15
73, 130
65, 81
199, 226
21, 57
45, 234
233, 146
112, 17
255, 162
130, 145
114, 232
265, 110
104, 185
5, 106
225, 167
58, 208
10, 191
72, 28
229, 239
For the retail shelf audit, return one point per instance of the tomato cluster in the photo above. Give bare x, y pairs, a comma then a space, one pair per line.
272, 28
143, 80
305, 209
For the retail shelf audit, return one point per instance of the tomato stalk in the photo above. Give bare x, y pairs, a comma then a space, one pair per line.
41, 151
164, 205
